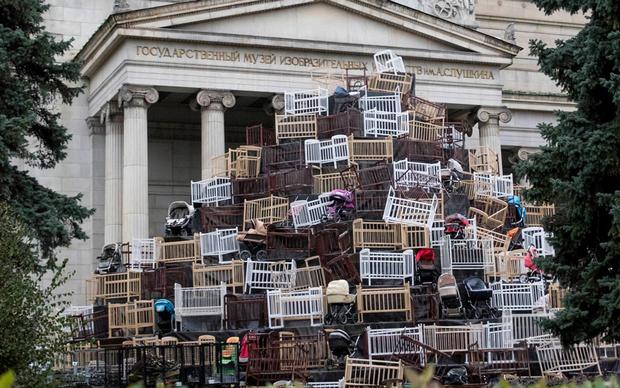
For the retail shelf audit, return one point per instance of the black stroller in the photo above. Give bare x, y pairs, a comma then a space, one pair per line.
111, 258
341, 345
179, 219
477, 300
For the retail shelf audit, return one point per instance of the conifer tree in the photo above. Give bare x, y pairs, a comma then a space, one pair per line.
33, 83
579, 171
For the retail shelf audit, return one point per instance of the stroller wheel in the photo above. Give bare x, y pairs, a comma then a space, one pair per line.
245, 255
261, 255
329, 319
342, 317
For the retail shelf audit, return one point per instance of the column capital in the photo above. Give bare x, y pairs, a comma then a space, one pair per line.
524, 152
95, 125
277, 101
485, 114
139, 96
111, 113
215, 99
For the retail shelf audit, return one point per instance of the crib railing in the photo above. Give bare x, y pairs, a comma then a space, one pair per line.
231, 274
131, 319
381, 265
295, 305
386, 300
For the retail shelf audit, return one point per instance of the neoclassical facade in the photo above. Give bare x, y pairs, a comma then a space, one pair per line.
171, 84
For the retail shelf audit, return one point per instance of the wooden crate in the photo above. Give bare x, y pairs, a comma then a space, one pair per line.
159, 283
302, 126
174, 252
285, 156
291, 182
324, 183
489, 212
381, 235
310, 275
369, 204
340, 267
220, 217
131, 319
315, 346
231, 274
418, 150
556, 296
427, 110
268, 210
371, 150
245, 311
388, 300
116, 286
288, 242
424, 131
390, 83
536, 213
360, 372
344, 123
249, 188
269, 364
257, 135
483, 159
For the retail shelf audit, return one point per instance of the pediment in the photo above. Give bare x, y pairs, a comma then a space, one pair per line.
321, 22
353, 26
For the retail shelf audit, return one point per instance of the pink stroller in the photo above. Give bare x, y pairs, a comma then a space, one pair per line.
342, 205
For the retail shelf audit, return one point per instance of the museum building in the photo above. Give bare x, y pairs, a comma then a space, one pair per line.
172, 84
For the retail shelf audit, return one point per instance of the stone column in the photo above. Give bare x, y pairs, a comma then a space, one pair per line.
135, 101
488, 126
113, 218
212, 105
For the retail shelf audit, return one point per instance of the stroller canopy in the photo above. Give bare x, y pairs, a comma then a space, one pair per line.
475, 284
179, 210
164, 305
337, 287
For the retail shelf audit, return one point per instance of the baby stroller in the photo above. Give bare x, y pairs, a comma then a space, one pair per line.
179, 219
253, 241
342, 205
451, 306
341, 303
477, 303
111, 259
534, 274
427, 271
164, 316
455, 225
341, 345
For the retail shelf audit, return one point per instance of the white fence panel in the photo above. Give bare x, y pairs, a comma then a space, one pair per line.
144, 254
525, 325
538, 237
438, 232
322, 152
378, 123
295, 305
308, 213
212, 190
493, 185
381, 265
467, 254
408, 211
388, 62
269, 275
518, 296
453, 338
415, 174
386, 103
385, 342
497, 335
198, 301
554, 358
219, 243
306, 102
